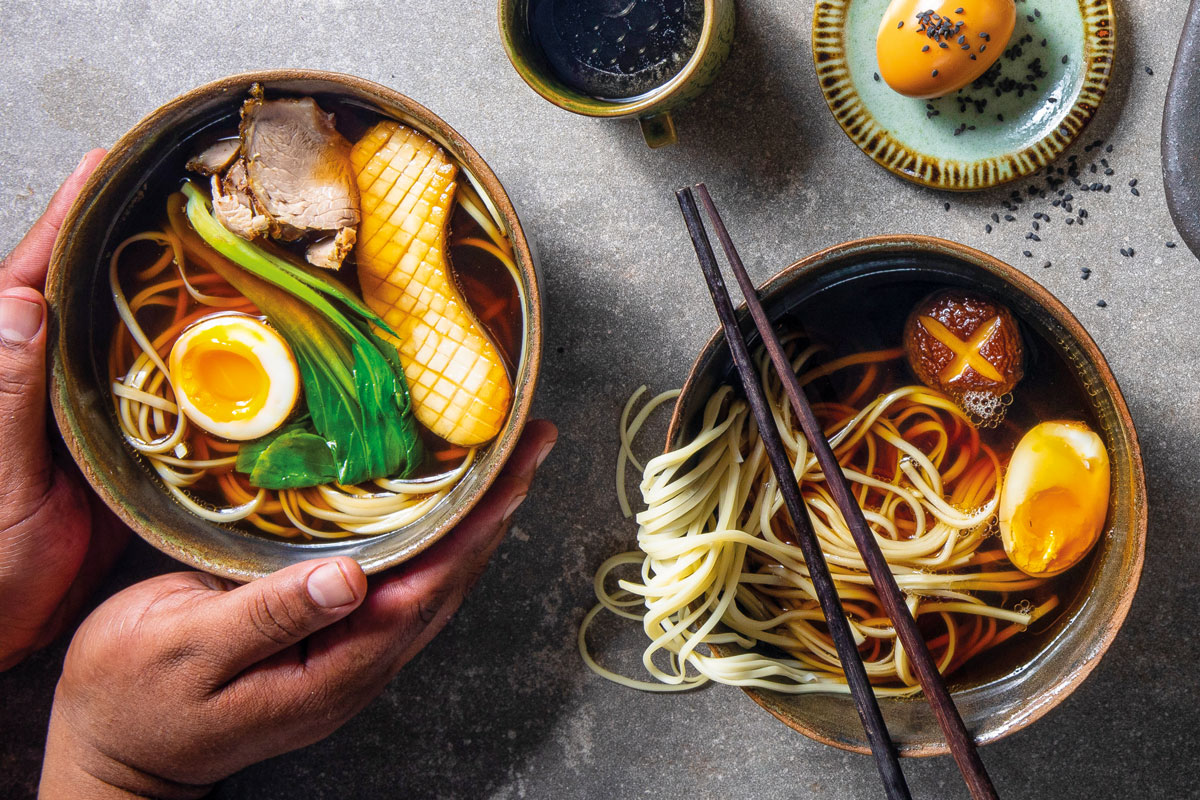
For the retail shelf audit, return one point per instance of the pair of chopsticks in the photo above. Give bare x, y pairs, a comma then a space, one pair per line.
961, 744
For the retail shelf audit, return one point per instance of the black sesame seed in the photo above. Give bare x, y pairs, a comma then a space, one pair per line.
935, 73
1171, 245
946, 206
877, 77
958, 10
1108, 149
1064, 59
1070, 220
972, 56
1009, 218
1133, 182
1028, 254
995, 217
988, 229
1083, 213
1135, 192
1149, 71
925, 49
1101, 304
1046, 265
900, 24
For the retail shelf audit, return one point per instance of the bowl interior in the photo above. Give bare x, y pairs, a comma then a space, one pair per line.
1027, 680
83, 319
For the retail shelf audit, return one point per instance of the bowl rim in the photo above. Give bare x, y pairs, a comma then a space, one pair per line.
118, 157
1040, 704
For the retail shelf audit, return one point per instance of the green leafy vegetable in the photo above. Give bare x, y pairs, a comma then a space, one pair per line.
353, 382
290, 458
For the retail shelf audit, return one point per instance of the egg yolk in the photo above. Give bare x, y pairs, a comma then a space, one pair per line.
929, 49
224, 379
1049, 532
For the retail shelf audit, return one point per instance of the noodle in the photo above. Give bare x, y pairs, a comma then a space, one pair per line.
178, 452
718, 564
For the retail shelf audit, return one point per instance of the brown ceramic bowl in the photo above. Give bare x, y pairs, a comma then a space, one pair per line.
82, 321
1010, 694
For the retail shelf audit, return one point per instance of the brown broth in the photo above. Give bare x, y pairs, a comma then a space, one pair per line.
1049, 390
484, 281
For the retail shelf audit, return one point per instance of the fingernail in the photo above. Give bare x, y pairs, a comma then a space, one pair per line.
20, 320
79, 167
328, 587
513, 505
545, 452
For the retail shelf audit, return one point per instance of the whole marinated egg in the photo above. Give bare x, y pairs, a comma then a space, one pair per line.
234, 376
1055, 497
929, 49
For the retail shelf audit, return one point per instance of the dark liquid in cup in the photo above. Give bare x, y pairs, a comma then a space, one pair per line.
616, 49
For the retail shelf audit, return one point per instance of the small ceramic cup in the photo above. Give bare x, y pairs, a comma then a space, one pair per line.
651, 109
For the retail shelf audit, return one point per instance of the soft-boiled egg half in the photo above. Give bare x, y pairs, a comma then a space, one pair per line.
929, 49
1055, 497
234, 376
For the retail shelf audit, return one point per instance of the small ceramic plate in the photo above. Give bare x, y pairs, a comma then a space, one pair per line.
974, 138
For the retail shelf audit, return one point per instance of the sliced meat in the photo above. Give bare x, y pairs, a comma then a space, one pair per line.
298, 167
234, 207
330, 253
216, 158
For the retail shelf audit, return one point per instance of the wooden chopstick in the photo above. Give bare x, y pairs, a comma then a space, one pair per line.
961, 743
856, 674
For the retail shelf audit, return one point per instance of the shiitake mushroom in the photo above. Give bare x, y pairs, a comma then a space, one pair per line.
964, 344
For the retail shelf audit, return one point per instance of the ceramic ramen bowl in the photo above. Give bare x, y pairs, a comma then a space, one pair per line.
83, 318
996, 699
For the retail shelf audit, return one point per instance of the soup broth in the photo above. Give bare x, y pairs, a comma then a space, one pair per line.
480, 266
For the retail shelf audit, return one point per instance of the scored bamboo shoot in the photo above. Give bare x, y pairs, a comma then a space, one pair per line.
459, 385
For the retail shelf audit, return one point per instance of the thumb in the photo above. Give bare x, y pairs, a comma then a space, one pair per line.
263, 617
25, 469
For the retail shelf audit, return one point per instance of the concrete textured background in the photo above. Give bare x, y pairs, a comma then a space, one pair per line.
500, 706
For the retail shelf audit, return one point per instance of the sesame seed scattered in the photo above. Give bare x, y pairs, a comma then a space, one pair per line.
900, 24
1046, 265
1135, 192
1101, 304
1149, 71
1028, 254
877, 77
1171, 245
1064, 59
935, 73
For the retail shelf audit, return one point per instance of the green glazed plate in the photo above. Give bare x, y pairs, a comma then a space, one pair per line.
953, 142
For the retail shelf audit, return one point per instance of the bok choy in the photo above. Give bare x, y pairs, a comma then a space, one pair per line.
354, 385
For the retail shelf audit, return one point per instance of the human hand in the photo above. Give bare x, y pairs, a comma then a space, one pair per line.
184, 679
56, 538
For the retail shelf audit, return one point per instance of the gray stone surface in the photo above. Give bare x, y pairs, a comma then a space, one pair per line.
500, 706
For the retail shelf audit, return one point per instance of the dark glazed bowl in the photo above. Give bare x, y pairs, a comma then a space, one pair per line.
82, 320
991, 708
1181, 134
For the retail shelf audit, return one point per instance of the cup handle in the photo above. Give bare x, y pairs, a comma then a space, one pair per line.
658, 129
